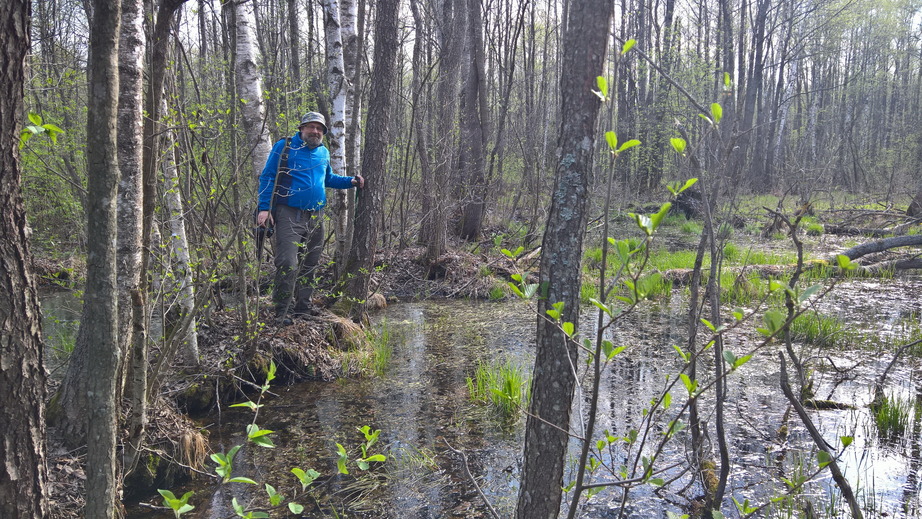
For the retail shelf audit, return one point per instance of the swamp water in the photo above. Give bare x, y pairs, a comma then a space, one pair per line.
421, 405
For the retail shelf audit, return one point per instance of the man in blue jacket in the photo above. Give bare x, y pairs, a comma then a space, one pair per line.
291, 198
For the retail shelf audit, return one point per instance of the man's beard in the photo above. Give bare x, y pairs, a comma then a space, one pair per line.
313, 142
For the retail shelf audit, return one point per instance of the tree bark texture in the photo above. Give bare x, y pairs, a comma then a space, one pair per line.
249, 87
341, 205
378, 138
584, 44
131, 316
23, 473
98, 326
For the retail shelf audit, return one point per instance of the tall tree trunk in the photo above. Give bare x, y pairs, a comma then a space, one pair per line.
249, 87
130, 221
584, 44
98, 326
476, 116
435, 183
378, 138
23, 473
338, 83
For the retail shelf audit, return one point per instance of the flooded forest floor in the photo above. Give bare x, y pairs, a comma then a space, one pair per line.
409, 373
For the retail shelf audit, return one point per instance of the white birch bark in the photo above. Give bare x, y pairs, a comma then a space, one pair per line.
249, 87
129, 205
350, 32
339, 90
183, 287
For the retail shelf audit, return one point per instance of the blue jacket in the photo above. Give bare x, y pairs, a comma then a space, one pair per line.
310, 174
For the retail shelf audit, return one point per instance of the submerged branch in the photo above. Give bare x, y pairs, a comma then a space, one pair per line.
821, 443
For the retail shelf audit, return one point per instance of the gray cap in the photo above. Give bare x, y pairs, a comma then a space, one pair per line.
314, 117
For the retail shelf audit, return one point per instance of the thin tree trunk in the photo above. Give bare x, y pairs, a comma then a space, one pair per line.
338, 83
180, 258
23, 472
98, 324
362, 255
556, 360
130, 222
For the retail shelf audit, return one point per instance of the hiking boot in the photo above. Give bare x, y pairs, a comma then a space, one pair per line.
283, 321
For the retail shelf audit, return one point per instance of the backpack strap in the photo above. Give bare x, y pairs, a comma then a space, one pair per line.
282, 168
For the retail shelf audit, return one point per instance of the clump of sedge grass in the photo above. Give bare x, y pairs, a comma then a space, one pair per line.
504, 385
891, 415
382, 349
820, 330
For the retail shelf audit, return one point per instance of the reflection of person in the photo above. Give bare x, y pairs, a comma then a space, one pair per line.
292, 198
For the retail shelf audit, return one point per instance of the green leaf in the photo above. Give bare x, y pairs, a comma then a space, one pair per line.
808, 293
706, 118
568, 328
296, 508
667, 400
376, 457
729, 357
679, 145
600, 305
656, 218
247, 404
628, 145
342, 460
35, 119
690, 385
306, 478
717, 112
612, 139
727, 80
657, 482
275, 499
628, 45
708, 324
241, 479
846, 440
774, 320
678, 349
824, 458
688, 183
845, 263
603, 86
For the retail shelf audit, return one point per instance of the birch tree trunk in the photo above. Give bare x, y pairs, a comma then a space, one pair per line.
98, 323
180, 259
249, 87
23, 472
546, 432
131, 314
338, 84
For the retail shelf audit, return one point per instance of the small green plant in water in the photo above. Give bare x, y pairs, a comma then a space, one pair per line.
504, 385
820, 330
382, 350
891, 415
497, 292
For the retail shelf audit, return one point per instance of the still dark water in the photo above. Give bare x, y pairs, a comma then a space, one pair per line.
421, 406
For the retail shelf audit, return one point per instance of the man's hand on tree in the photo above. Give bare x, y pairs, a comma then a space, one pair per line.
358, 181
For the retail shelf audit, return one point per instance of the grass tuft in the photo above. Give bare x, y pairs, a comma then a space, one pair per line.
504, 385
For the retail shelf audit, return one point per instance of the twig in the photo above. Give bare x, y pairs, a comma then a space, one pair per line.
467, 470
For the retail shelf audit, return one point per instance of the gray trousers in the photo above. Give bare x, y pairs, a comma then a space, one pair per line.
298, 244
